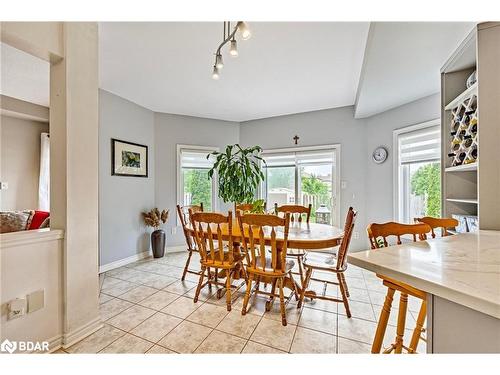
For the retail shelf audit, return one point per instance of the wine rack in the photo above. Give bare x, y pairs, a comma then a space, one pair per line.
463, 129
469, 186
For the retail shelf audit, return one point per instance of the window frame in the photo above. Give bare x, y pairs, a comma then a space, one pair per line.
336, 148
180, 182
396, 178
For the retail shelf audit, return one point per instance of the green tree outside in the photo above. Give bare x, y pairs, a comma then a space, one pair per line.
197, 183
426, 182
312, 185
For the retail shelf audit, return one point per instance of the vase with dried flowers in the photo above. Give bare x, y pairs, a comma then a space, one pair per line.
154, 219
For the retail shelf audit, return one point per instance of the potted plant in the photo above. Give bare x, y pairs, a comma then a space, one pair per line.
239, 174
153, 219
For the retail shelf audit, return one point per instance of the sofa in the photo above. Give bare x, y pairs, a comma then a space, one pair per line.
16, 221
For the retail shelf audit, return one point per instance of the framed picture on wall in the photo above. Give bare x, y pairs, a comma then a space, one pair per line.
128, 159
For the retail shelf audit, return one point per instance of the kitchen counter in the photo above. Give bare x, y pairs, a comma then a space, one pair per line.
461, 274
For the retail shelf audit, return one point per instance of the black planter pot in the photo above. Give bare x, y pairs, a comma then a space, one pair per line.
158, 243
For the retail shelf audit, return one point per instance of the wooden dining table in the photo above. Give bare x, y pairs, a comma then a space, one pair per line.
301, 235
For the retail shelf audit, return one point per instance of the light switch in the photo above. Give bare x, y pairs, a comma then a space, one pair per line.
16, 308
4, 185
343, 184
36, 300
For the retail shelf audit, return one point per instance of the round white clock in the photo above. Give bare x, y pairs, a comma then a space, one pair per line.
379, 155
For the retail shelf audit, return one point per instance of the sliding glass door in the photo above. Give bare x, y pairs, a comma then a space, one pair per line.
303, 177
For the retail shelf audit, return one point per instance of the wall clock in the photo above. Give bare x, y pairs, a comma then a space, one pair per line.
379, 155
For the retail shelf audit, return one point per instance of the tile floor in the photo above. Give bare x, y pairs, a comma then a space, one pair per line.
147, 309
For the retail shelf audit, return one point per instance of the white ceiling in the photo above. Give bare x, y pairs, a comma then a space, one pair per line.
24, 76
403, 62
284, 68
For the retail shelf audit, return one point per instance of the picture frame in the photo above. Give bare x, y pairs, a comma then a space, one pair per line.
128, 159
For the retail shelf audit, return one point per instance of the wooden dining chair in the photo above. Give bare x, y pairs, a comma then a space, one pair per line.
257, 231
183, 212
444, 224
297, 214
378, 235
316, 261
214, 255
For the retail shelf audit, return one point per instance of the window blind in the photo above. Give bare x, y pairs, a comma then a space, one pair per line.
300, 158
196, 159
420, 145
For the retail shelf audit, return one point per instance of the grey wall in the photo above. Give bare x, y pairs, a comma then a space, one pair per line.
122, 199
20, 162
379, 131
369, 186
325, 127
171, 130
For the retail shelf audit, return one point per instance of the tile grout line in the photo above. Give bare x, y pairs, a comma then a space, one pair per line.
214, 303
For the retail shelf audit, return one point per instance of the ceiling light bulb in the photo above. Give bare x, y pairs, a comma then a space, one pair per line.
245, 31
215, 73
233, 50
218, 61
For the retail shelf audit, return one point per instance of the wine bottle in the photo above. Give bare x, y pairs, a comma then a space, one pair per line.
474, 152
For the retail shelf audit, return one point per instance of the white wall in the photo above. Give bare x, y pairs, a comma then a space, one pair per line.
38, 254
171, 130
20, 162
122, 199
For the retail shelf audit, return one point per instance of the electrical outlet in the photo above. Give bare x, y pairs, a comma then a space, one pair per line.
174, 230
355, 235
16, 308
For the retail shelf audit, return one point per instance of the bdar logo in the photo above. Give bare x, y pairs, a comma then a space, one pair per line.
8, 346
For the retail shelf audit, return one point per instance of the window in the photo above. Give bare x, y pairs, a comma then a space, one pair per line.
302, 176
418, 171
194, 186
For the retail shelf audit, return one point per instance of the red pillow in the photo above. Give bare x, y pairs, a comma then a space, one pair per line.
38, 219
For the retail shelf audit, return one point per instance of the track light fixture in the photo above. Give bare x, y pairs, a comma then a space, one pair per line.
229, 36
233, 50
215, 73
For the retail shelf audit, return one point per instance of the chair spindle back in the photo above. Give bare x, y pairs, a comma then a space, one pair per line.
434, 222
207, 228
375, 231
254, 228
183, 212
296, 211
346, 240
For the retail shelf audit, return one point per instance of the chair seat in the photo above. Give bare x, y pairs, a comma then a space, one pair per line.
226, 263
405, 288
325, 261
288, 266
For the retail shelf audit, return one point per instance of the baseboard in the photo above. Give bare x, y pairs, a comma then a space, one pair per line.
124, 261
176, 249
55, 343
136, 257
79, 334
